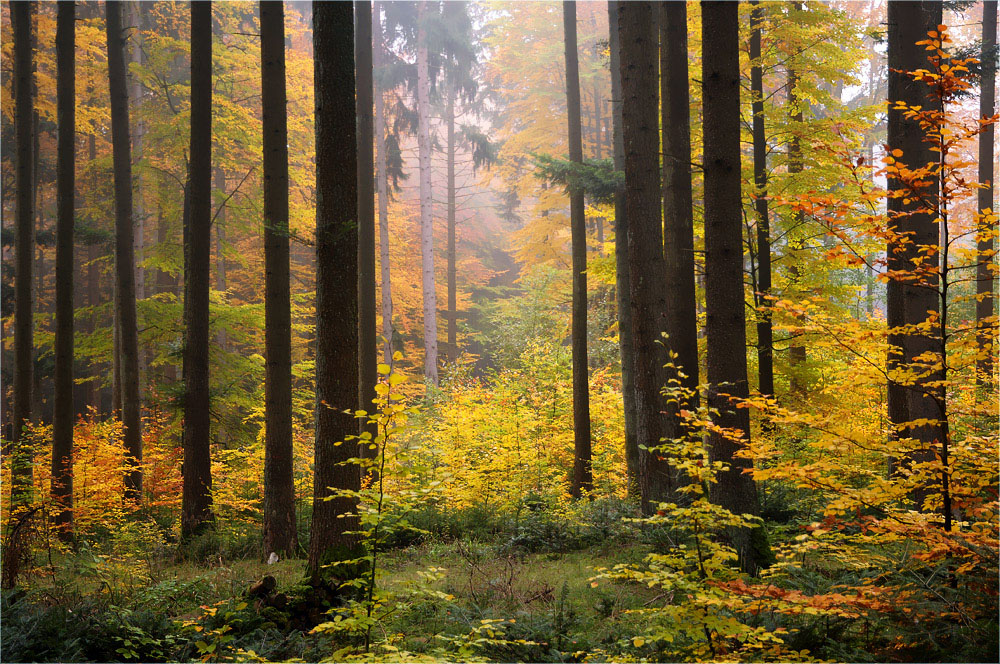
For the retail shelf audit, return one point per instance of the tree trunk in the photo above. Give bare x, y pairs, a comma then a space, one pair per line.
682, 323
796, 350
622, 261
913, 296
124, 256
383, 192
197, 499
21, 470
986, 323
368, 331
62, 434
426, 199
583, 478
725, 320
637, 32
452, 271
280, 535
139, 216
762, 292
336, 288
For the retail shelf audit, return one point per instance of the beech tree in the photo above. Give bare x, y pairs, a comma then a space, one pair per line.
986, 270
426, 197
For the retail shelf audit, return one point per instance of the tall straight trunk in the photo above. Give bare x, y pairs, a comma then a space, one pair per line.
583, 477
452, 271
220, 244
383, 192
678, 226
367, 332
21, 470
136, 10
197, 494
280, 535
912, 297
765, 337
598, 152
986, 323
337, 361
637, 33
62, 430
622, 281
426, 199
725, 321
124, 257
796, 350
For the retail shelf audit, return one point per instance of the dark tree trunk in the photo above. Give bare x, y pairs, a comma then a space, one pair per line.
682, 323
280, 535
367, 331
725, 320
911, 297
583, 478
336, 287
197, 498
765, 342
622, 261
24, 246
124, 257
637, 31
452, 271
986, 271
796, 350
62, 434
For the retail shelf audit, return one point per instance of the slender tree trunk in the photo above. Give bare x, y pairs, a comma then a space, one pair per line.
124, 256
383, 191
452, 271
682, 323
622, 262
62, 434
583, 478
796, 349
197, 499
426, 199
280, 535
21, 471
986, 323
138, 129
726, 323
912, 297
368, 331
765, 343
336, 288
637, 31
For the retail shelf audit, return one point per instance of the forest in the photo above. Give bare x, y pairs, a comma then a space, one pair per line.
499, 331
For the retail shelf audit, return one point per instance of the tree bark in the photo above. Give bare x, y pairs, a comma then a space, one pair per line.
124, 256
24, 246
280, 535
622, 261
986, 323
640, 130
682, 323
426, 199
138, 129
725, 321
765, 337
383, 192
452, 270
64, 415
583, 478
336, 287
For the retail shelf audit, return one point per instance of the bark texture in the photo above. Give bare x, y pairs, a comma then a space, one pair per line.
986, 270
426, 198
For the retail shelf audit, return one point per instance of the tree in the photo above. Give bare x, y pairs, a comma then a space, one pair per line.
334, 515
725, 322
762, 287
678, 225
279, 486
24, 243
637, 36
197, 499
367, 332
913, 228
583, 479
426, 197
64, 415
381, 168
124, 251
622, 259
986, 270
